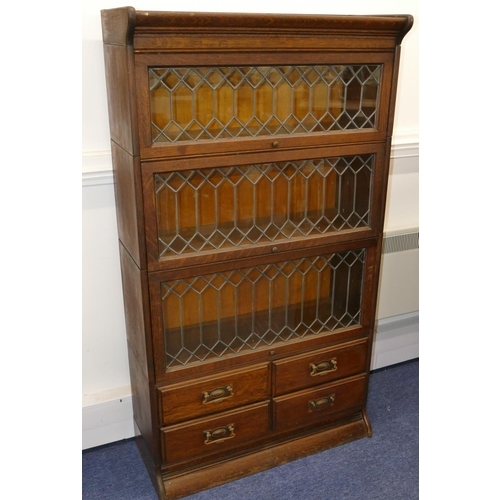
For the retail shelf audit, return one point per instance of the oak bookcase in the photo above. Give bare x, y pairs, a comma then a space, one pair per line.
250, 158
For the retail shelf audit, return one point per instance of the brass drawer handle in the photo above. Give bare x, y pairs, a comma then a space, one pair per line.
323, 367
321, 403
216, 395
220, 434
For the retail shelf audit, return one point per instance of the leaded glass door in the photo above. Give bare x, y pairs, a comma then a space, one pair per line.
244, 309
196, 103
185, 103
194, 209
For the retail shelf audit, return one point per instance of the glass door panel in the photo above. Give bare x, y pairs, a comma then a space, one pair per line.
189, 104
206, 209
216, 314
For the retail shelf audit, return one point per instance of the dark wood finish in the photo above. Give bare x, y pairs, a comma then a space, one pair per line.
222, 147
129, 202
231, 404
179, 402
317, 406
139, 349
298, 372
180, 484
216, 435
156, 263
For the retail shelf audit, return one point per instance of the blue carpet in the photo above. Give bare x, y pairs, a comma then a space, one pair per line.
384, 467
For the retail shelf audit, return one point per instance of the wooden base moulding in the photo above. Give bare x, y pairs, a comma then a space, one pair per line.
177, 486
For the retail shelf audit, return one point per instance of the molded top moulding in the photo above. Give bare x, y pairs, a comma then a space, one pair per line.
122, 25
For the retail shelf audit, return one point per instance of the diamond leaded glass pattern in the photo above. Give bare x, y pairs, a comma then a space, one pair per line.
229, 312
189, 104
208, 209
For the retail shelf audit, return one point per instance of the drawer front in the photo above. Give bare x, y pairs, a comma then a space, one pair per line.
318, 406
320, 366
215, 435
213, 394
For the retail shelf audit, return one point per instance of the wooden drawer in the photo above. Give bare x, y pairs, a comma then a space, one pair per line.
318, 406
210, 395
215, 435
321, 366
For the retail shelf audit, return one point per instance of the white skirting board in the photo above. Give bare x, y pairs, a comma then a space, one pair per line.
107, 422
396, 341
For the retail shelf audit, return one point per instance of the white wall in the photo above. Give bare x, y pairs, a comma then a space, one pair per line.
105, 377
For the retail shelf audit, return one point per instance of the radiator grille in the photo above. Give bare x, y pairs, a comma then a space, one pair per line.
400, 243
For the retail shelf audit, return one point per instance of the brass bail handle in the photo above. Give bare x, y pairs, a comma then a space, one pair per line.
216, 395
321, 403
220, 434
323, 367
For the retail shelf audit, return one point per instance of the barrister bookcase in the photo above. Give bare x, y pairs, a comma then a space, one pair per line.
250, 157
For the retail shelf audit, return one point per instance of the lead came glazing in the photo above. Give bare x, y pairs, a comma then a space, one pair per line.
207, 209
189, 104
218, 314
